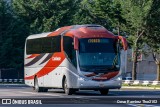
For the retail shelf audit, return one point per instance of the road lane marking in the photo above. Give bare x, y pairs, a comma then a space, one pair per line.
41, 93
142, 105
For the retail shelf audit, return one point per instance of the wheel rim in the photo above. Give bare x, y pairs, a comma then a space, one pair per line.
65, 87
36, 85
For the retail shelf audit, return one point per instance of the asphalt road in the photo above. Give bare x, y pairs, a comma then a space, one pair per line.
84, 98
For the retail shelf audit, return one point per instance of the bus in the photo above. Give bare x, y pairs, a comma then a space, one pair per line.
73, 58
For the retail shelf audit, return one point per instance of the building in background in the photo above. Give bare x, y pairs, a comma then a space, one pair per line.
146, 68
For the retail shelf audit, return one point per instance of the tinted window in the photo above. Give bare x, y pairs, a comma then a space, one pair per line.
69, 49
68, 46
56, 44
47, 45
44, 45
33, 46
99, 54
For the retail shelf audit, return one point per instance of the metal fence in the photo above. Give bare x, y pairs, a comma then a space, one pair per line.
126, 82
140, 82
3, 81
11, 73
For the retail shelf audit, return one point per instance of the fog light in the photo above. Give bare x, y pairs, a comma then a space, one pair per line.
82, 79
119, 78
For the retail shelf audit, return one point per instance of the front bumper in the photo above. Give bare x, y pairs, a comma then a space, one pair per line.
91, 84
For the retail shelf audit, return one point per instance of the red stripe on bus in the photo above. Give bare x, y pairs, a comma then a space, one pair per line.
59, 31
32, 56
106, 76
49, 67
110, 74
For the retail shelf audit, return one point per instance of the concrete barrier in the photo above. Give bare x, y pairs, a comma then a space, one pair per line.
5, 80
127, 82
146, 83
11, 80
140, 82
136, 82
15, 80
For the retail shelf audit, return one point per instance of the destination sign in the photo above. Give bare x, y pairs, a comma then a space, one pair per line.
98, 40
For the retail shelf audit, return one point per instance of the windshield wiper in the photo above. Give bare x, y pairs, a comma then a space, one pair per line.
113, 68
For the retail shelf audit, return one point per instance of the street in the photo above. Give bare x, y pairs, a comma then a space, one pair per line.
85, 97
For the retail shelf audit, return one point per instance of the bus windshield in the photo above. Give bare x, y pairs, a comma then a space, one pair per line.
98, 55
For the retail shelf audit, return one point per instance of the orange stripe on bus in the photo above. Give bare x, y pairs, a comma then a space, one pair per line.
49, 67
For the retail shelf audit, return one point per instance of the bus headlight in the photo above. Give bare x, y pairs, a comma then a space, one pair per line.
82, 79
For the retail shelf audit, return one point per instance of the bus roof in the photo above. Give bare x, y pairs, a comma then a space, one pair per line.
79, 31
38, 35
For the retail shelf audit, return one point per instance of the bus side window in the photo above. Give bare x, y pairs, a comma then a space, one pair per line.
33, 46
44, 45
51, 44
56, 44
69, 49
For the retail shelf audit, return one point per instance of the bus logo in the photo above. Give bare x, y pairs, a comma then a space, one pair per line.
56, 58
6, 101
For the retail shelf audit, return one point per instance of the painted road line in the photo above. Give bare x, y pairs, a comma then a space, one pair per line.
143, 105
40, 93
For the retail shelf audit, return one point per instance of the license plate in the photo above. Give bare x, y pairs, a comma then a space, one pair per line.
101, 85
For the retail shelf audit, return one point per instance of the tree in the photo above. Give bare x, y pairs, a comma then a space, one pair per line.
153, 33
82, 14
103, 12
45, 15
5, 37
12, 38
135, 12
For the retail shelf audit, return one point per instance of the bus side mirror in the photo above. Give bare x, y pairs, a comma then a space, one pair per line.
124, 42
76, 43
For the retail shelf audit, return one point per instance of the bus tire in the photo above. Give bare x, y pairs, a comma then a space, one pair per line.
104, 91
67, 90
37, 88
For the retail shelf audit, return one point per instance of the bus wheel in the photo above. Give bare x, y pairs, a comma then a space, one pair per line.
67, 90
104, 91
37, 88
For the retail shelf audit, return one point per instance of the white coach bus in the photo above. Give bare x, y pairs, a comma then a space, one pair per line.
78, 57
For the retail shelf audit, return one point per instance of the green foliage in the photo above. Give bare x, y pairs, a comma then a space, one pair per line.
12, 37
153, 26
103, 12
44, 15
135, 12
